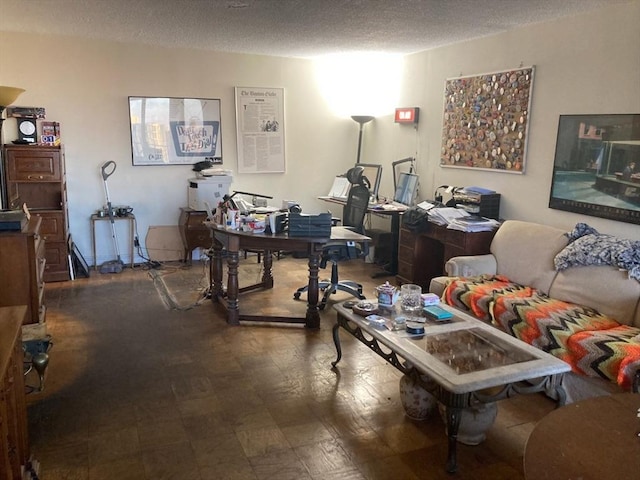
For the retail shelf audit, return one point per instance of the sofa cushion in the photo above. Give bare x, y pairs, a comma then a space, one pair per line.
613, 353
525, 251
606, 289
544, 322
476, 293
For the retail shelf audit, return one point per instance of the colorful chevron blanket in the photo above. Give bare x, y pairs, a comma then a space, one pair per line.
592, 343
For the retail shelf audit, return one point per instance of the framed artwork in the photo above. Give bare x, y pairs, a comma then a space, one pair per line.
596, 169
175, 131
486, 121
260, 129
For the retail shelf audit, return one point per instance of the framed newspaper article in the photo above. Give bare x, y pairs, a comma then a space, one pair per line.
260, 129
174, 131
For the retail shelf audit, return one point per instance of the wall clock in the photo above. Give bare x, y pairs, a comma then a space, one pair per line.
27, 130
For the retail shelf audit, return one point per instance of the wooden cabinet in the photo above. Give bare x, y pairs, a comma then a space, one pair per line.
14, 441
35, 175
194, 234
421, 256
22, 263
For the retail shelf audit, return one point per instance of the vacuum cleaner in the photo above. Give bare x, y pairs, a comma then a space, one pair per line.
112, 266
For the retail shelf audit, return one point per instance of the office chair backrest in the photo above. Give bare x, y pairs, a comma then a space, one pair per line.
356, 208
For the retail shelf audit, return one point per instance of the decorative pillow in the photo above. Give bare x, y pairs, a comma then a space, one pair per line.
588, 247
545, 322
476, 293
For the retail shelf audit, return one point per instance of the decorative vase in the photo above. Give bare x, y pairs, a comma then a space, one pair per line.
418, 403
474, 422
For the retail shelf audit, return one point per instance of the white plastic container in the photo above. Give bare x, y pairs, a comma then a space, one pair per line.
208, 189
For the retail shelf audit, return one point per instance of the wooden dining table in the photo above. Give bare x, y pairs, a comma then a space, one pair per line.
229, 242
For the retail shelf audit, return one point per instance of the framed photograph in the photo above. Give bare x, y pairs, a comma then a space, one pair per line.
260, 129
596, 169
486, 121
175, 131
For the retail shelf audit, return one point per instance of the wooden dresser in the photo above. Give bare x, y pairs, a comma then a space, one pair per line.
14, 440
421, 256
194, 234
22, 263
35, 175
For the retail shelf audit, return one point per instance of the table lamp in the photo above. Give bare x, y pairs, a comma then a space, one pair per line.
361, 119
8, 95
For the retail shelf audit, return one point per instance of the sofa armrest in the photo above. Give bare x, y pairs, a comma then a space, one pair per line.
471, 265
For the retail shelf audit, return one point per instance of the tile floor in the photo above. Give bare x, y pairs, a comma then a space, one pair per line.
138, 391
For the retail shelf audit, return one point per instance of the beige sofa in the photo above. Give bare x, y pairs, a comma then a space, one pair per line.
524, 253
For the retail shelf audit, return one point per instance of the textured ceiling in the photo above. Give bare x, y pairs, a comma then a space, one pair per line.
290, 28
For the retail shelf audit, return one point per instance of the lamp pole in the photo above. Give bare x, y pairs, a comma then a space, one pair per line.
8, 95
361, 119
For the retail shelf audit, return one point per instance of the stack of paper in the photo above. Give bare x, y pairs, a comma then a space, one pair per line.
445, 215
473, 223
458, 219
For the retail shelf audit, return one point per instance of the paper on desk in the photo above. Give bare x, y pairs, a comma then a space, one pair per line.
445, 215
426, 205
340, 188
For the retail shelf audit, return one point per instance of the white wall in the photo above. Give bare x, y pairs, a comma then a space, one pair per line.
85, 84
584, 64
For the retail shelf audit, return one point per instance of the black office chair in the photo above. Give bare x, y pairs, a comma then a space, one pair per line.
353, 215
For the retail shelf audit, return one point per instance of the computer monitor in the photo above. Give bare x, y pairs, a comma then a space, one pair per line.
406, 189
373, 174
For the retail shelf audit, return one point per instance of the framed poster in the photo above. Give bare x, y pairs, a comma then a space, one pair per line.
486, 121
175, 131
260, 129
596, 169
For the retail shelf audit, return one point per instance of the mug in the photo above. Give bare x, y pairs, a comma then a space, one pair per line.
410, 298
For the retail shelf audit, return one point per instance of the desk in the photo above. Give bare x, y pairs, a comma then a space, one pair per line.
132, 234
595, 438
235, 240
422, 255
391, 211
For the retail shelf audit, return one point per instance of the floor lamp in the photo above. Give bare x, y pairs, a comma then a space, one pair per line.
8, 95
361, 119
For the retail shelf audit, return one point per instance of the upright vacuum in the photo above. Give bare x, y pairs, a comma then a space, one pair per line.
112, 266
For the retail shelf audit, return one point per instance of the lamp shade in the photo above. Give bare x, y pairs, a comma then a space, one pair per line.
8, 95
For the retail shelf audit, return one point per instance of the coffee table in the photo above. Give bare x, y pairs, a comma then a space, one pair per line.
467, 361
593, 438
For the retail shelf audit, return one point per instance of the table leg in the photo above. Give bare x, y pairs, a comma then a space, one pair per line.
215, 272
313, 315
267, 273
93, 243
232, 285
336, 342
453, 424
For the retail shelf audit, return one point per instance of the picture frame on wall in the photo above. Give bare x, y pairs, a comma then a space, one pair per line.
486, 121
260, 129
175, 131
596, 168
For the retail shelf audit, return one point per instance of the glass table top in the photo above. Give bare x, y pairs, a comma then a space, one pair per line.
471, 350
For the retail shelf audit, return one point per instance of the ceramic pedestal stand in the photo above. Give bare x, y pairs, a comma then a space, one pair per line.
419, 404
